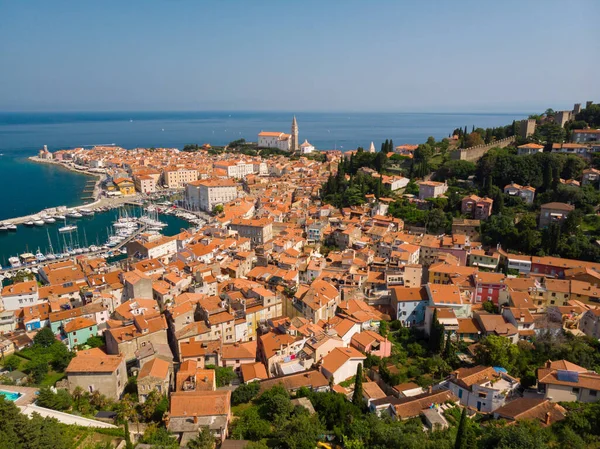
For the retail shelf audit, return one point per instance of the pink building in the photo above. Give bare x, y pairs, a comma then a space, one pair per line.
476, 207
371, 342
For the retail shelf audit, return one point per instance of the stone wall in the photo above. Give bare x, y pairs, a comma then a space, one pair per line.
474, 153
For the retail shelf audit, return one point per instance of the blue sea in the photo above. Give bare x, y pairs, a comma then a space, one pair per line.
27, 187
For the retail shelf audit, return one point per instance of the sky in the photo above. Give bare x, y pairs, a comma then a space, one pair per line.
303, 55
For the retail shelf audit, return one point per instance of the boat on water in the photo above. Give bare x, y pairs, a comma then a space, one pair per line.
39, 257
14, 262
38, 222
67, 228
74, 214
10, 226
49, 220
27, 258
29, 223
86, 212
60, 217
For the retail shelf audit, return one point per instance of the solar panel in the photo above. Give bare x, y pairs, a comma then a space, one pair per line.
567, 376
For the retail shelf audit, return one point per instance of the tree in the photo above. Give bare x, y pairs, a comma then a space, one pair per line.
473, 140
461, 432
436, 220
95, 341
436, 334
148, 408
38, 368
44, 338
204, 440
12, 362
244, 393
224, 375
497, 351
357, 396
61, 400
300, 432
159, 437
218, 209
384, 328
250, 426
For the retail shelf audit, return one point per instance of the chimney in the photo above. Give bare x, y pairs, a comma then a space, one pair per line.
195, 420
430, 389
547, 420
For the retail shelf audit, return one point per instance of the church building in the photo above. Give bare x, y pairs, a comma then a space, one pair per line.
282, 141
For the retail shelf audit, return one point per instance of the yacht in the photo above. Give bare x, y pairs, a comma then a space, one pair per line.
39, 257
3, 227
28, 223
10, 226
14, 262
50, 257
67, 228
74, 214
48, 219
60, 217
86, 212
38, 222
27, 258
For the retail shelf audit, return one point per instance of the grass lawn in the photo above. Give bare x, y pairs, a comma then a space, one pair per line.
22, 359
237, 409
51, 378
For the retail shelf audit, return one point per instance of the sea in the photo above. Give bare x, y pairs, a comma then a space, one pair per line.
27, 187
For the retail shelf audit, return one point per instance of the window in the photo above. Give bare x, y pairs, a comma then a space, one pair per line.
575, 390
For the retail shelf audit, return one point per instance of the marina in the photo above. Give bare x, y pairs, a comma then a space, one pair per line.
73, 234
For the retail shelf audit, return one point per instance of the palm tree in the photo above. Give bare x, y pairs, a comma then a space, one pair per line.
77, 395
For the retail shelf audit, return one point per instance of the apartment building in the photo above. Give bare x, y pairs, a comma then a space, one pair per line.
206, 194
259, 231
177, 178
235, 169
431, 189
554, 213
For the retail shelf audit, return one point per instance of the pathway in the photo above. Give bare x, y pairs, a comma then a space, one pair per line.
65, 418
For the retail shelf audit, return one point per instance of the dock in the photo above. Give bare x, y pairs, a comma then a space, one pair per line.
101, 252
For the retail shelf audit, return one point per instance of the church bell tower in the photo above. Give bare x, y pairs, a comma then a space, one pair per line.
294, 146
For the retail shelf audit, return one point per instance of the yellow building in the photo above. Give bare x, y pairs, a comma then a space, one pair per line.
125, 185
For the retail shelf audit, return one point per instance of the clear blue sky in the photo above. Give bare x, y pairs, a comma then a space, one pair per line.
303, 55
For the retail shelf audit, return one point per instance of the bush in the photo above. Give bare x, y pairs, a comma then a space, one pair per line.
61, 400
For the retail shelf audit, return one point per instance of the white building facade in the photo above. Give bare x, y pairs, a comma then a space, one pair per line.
206, 194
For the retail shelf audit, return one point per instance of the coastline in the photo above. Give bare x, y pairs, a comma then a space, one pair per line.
98, 200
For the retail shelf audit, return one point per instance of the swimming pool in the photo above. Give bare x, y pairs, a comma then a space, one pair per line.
10, 395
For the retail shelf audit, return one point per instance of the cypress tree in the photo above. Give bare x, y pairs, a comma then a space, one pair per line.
555, 178
465, 130
378, 188
391, 149
357, 396
382, 147
128, 444
473, 129
448, 348
488, 184
461, 432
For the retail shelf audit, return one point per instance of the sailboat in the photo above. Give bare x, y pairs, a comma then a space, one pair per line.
50, 255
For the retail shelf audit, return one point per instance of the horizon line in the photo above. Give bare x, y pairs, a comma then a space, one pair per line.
133, 111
